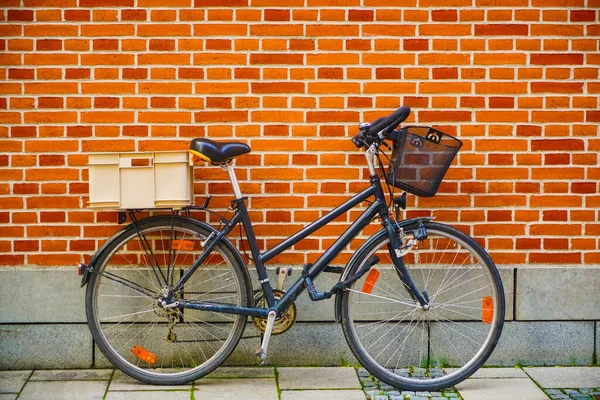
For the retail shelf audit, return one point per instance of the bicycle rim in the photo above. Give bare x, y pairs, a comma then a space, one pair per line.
409, 347
156, 344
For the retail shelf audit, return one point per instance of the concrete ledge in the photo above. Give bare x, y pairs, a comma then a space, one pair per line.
45, 346
47, 329
55, 295
558, 293
44, 295
306, 344
544, 343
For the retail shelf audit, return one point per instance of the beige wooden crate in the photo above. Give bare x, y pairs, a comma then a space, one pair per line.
140, 180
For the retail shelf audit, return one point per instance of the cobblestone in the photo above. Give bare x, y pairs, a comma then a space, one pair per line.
572, 394
376, 390
363, 373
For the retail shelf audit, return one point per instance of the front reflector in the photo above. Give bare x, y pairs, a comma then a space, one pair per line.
143, 354
487, 309
370, 281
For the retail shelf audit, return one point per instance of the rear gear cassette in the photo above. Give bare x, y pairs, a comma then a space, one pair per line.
283, 322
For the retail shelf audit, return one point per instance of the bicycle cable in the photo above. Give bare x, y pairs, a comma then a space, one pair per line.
242, 243
382, 168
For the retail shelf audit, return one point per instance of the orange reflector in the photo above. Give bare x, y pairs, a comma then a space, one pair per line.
182, 245
487, 309
370, 281
143, 354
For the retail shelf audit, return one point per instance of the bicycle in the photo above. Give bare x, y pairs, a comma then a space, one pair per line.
421, 303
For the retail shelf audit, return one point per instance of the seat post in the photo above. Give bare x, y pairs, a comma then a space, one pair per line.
233, 179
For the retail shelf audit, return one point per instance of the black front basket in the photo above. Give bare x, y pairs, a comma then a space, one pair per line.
420, 159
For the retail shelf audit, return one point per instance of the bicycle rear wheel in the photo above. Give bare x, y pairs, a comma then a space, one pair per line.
131, 327
411, 348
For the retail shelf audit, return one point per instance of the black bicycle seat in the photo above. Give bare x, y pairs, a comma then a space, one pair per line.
217, 152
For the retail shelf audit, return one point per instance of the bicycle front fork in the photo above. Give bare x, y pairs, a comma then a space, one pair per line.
396, 254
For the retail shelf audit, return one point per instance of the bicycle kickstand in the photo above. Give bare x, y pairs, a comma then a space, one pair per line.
262, 352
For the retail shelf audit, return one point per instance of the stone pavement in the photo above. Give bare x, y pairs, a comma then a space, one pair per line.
295, 383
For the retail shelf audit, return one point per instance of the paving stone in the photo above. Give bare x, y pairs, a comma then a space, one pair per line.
8, 396
246, 389
72, 375
318, 378
423, 394
419, 398
13, 381
64, 390
322, 395
492, 373
381, 397
363, 372
372, 393
565, 377
157, 395
407, 393
242, 372
122, 382
493, 389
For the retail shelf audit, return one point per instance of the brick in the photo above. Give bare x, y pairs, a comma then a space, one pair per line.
444, 30
280, 59
500, 59
502, 30
324, 30
19, 15
556, 30
556, 59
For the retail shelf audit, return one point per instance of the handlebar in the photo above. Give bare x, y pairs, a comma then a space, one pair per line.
381, 128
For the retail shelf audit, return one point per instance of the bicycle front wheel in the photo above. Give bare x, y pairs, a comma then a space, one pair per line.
151, 343
413, 348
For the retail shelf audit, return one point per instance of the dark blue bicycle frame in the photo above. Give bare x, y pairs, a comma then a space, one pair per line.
378, 206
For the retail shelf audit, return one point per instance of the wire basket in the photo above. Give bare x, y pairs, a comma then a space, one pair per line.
420, 159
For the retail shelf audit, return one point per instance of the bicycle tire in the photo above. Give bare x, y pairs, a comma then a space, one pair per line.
438, 355
196, 342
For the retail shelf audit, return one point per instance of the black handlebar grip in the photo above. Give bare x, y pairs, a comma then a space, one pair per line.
397, 118
390, 122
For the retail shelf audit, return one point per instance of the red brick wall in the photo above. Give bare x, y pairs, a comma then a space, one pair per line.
516, 80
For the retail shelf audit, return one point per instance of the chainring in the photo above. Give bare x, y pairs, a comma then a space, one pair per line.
282, 323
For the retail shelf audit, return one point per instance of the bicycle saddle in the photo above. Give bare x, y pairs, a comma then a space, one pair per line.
217, 152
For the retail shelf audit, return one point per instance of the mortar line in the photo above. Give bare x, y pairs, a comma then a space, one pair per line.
108, 385
595, 353
515, 295
26, 382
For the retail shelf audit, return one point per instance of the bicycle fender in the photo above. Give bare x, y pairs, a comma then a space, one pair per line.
125, 230
362, 249
87, 273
